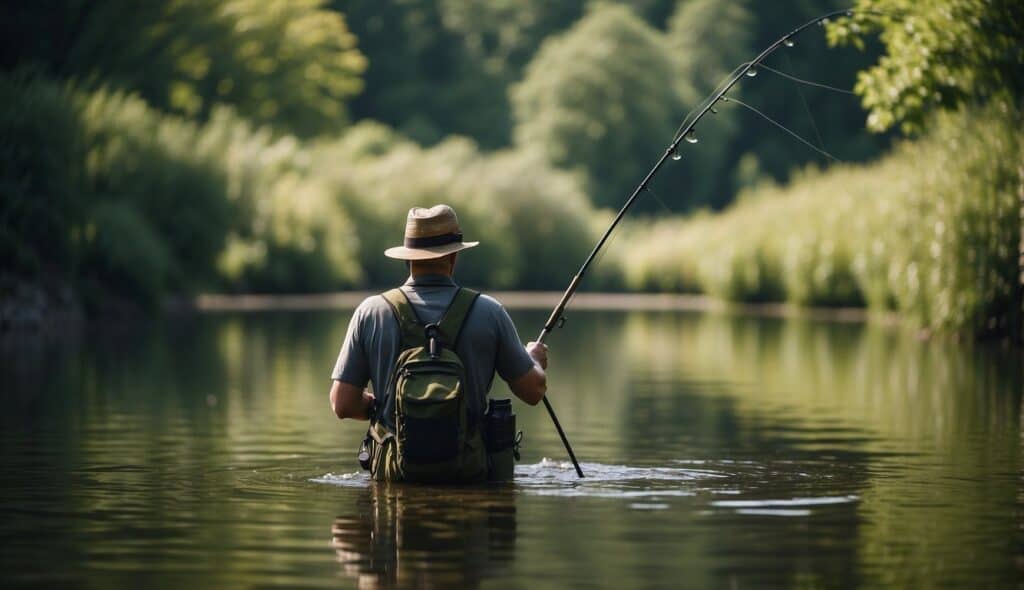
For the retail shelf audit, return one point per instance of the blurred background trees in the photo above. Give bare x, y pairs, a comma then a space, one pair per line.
250, 145
600, 98
292, 64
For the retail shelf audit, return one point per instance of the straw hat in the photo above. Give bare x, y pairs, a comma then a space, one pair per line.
430, 233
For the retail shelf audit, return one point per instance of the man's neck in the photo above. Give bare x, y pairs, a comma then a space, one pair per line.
427, 278
429, 272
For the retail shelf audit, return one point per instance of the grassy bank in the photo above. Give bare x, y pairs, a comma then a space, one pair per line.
933, 231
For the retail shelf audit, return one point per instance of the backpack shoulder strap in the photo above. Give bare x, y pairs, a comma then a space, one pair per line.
408, 322
455, 316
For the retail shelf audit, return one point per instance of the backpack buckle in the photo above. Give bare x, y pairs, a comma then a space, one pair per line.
433, 334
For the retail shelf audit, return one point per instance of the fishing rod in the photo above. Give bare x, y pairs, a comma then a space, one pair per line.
557, 317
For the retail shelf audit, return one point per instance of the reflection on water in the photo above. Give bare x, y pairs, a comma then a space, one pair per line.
724, 451
398, 536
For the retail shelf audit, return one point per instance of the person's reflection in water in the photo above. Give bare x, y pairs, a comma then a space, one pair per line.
400, 535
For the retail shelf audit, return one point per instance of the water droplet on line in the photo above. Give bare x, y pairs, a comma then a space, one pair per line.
751, 72
824, 22
677, 156
691, 137
714, 111
788, 42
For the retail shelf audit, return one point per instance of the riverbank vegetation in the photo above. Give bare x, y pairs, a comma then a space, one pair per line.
145, 203
932, 230
238, 146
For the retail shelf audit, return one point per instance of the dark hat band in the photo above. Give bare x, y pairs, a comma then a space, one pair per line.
431, 241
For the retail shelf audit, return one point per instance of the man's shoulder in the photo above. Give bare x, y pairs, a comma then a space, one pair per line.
374, 305
488, 302
488, 306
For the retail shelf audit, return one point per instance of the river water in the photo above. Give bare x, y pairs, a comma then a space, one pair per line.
721, 451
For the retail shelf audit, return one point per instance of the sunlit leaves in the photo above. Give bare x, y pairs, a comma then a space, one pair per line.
940, 54
289, 63
292, 64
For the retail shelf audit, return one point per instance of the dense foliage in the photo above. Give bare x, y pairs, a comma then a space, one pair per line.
940, 53
40, 168
289, 63
932, 231
136, 203
597, 99
243, 145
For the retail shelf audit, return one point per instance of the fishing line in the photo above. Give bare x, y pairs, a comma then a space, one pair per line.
597, 262
807, 108
658, 199
601, 255
805, 81
711, 97
782, 127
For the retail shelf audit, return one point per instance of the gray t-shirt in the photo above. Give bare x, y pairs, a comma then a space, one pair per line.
488, 342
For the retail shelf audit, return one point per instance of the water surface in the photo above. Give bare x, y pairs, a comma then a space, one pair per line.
721, 451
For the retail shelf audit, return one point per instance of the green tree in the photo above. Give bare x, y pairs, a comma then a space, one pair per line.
504, 34
40, 174
143, 165
708, 39
289, 63
655, 12
939, 54
600, 98
441, 67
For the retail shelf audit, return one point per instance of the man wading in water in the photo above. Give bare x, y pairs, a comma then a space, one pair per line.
431, 349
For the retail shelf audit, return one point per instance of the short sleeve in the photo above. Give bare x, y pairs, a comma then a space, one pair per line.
352, 365
512, 360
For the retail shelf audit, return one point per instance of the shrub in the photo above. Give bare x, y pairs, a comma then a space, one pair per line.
956, 242
149, 161
289, 232
40, 172
533, 222
122, 255
932, 230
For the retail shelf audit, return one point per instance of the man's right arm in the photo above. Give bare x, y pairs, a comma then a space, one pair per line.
350, 401
347, 396
533, 384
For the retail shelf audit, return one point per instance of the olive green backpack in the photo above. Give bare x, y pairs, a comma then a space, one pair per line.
433, 440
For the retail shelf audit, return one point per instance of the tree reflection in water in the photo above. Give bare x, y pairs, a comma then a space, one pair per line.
401, 535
